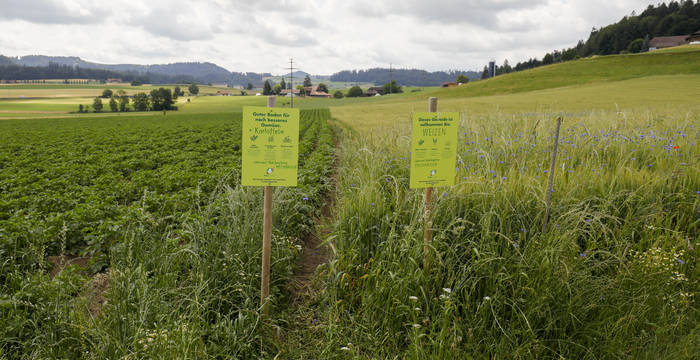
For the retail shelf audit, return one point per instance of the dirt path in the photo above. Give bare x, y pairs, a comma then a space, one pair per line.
314, 251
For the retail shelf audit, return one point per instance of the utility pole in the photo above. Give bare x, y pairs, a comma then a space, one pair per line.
291, 79
391, 78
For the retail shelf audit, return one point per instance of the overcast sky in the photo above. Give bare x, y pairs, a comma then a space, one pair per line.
322, 36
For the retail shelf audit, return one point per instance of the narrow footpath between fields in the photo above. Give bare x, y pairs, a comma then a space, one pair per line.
298, 337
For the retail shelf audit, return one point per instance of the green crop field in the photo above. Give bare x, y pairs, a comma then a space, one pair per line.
165, 244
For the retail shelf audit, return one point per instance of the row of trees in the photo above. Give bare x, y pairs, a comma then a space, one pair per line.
160, 99
412, 77
356, 91
269, 89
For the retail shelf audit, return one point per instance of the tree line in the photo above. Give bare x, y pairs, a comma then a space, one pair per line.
56, 71
160, 99
629, 35
409, 77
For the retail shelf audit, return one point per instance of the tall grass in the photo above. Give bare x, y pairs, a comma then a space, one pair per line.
614, 275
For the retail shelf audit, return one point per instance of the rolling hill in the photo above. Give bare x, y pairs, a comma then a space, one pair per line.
681, 60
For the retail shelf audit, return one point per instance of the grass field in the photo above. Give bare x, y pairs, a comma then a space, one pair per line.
173, 241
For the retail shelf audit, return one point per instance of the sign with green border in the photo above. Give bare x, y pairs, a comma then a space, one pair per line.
434, 149
270, 146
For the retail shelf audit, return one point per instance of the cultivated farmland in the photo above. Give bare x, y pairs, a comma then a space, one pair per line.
165, 244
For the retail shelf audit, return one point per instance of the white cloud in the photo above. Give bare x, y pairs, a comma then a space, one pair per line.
323, 36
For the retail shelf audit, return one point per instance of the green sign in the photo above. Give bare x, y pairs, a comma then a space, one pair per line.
434, 149
270, 146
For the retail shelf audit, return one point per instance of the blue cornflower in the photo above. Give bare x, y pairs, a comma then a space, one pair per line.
582, 254
305, 198
371, 204
681, 261
445, 193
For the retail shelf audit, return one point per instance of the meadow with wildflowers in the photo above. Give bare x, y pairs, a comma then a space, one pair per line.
613, 276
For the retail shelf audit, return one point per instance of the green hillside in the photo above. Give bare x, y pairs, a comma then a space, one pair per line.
681, 60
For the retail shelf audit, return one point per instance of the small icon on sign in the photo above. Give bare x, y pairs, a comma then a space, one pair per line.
433, 172
254, 137
434, 141
421, 141
271, 139
287, 139
270, 170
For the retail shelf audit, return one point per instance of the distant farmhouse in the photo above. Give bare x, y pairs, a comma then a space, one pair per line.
114, 81
694, 38
290, 92
312, 91
661, 42
374, 91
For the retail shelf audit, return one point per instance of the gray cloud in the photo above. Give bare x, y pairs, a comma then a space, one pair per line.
323, 36
474, 12
52, 11
284, 36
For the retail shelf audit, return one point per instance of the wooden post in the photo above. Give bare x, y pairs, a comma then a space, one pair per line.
428, 205
267, 237
551, 175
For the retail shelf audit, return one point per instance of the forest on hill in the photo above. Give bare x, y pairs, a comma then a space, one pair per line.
58, 67
631, 34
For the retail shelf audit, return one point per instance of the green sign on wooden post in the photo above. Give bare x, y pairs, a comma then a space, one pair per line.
270, 146
434, 149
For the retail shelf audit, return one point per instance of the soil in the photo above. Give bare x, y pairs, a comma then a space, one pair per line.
60, 262
95, 292
95, 288
314, 251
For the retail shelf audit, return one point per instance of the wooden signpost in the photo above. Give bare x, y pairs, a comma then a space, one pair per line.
433, 158
270, 158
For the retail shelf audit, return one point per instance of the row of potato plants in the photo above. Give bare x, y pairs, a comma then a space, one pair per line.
180, 260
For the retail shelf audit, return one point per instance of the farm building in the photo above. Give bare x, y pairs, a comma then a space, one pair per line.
694, 38
224, 93
114, 81
312, 91
449, 84
374, 91
290, 92
661, 42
